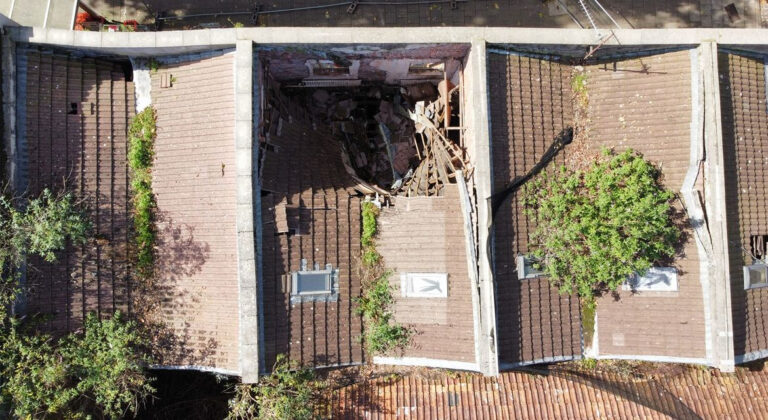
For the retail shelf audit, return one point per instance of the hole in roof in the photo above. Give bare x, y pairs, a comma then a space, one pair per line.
394, 109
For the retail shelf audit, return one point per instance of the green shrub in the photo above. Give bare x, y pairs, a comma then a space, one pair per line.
370, 214
154, 65
106, 362
289, 393
97, 371
141, 154
381, 333
588, 363
594, 228
42, 228
47, 223
33, 379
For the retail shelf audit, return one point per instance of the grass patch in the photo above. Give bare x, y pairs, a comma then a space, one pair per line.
579, 87
382, 334
140, 156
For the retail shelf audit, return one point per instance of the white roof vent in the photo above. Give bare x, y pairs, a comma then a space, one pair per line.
656, 279
755, 275
526, 269
424, 285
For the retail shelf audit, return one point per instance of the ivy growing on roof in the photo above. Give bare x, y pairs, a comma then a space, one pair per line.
141, 137
596, 227
381, 333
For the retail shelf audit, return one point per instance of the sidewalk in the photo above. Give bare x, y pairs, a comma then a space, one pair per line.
500, 13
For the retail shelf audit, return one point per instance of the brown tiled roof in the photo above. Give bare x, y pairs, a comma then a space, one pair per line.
530, 104
86, 153
302, 165
645, 104
558, 394
745, 140
426, 234
193, 179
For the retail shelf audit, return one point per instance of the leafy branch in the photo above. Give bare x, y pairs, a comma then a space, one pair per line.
594, 228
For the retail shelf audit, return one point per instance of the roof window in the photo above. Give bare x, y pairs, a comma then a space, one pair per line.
755, 276
315, 284
424, 285
656, 279
528, 267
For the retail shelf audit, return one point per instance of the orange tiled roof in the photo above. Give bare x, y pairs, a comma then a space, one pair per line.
692, 395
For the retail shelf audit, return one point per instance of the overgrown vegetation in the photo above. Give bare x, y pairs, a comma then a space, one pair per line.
235, 24
579, 88
588, 363
382, 334
42, 228
289, 393
99, 370
140, 156
370, 229
154, 65
598, 226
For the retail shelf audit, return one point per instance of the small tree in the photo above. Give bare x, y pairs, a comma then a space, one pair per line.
33, 379
289, 393
97, 371
597, 227
106, 362
42, 229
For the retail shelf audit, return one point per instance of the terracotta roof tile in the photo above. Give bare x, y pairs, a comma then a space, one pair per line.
86, 153
302, 168
530, 104
745, 140
645, 104
426, 234
557, 394
194, 185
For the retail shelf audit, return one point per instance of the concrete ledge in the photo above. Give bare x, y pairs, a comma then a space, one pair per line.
175, 42
718, 294
479, 121
248, 339
423, 361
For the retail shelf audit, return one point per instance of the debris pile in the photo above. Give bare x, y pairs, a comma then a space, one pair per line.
438, 144
399, 139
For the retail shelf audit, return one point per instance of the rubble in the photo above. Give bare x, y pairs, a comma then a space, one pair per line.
395, 140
